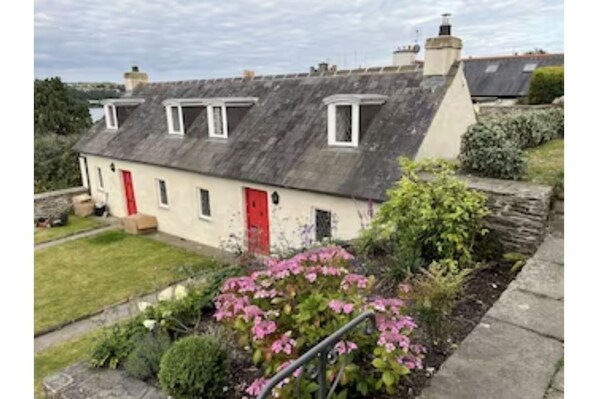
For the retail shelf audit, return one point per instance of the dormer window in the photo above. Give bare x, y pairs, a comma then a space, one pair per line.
174, 116
217, 109
345, 122
116, 110
491, 68
217, 121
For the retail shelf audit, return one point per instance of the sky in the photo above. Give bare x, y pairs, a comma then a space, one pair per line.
98, 40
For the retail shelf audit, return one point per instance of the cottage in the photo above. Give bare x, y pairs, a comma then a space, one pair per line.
274, 159
504, 80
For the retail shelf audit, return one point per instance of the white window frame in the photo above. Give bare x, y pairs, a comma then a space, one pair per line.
100, 177
199, 204
110, 109
532, 64
355, 108
159, 194
171, 130
211, 126
315, 210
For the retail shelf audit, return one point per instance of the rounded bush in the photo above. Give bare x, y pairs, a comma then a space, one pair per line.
546, 84
195, 367
144, 361
487, 150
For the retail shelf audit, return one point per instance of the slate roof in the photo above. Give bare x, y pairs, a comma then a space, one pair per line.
509, 80
282, 139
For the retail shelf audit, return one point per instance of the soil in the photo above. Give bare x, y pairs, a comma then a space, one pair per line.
483, 289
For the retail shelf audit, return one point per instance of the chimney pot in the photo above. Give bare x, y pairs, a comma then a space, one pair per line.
445, 27
135, 68
442, 51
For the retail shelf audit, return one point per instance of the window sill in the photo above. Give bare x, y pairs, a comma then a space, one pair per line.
205, 218
165, 207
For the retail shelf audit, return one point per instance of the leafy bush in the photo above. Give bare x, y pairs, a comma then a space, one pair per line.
546, 84
195, 367
433, 293
115, 344
487, 150
293, 304
428, 219
144, 361
494, 147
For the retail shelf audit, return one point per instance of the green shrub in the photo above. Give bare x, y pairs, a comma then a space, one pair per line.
546, 84
195, 367
487, 150
55, 164
488, 247
433, 295
114, 344
144, 361
429, 219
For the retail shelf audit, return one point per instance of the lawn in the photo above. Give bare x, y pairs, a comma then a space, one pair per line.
85, 275
546, 163
75, 225
58, 357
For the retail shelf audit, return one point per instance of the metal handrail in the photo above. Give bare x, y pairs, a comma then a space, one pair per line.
321, 350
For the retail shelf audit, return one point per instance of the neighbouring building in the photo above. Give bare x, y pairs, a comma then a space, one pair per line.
504, 79
274, 160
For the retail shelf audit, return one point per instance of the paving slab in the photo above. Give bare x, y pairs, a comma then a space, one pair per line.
497, 360
552, 249
541, 277
538, 313
80, 382
554, 394
558, 382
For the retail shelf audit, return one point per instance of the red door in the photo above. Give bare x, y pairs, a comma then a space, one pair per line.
129, 193
258, 227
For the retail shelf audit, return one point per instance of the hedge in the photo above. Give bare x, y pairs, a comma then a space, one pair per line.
547, 83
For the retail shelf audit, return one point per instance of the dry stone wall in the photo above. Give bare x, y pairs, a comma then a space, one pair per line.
55, 202
519, 211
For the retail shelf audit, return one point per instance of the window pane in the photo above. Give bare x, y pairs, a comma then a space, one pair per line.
100, 179
174, 115
163, 194
529, 67
218, 127
205, 202
323, 225
110, 115
491, 68
343, 123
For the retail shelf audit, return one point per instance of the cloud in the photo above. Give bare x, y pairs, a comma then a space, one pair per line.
178, 39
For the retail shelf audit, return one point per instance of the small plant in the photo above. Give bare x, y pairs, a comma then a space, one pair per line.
115, 343
427, 219
195, 367
433, 294
144, 361
517, 259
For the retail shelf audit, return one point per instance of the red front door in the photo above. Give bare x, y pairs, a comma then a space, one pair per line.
129, 193
258, 227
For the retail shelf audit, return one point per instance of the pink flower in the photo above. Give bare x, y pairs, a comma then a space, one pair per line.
251, 312
284, 344
336, 305
343, 347
354, 280
347, 308
311, 277
263, 328
256, 386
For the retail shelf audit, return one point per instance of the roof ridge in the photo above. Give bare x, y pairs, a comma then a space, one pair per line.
329, 73
492, 57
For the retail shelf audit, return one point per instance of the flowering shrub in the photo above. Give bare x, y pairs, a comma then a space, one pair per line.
282, 311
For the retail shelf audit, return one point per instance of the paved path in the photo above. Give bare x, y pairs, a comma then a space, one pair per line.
76, 236
517, 349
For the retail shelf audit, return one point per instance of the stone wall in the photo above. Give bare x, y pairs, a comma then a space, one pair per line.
485, 111
55, 202
519, 211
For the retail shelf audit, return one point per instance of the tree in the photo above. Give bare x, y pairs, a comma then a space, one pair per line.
536, 51
57, 110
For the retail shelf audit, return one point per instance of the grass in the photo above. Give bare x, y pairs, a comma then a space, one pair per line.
79, 277
58, 357
546, 163
75, 225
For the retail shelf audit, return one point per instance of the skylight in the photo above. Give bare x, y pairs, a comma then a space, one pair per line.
491, 68
529, 67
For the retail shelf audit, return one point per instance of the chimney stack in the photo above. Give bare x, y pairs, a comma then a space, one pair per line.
405, 55
442, 51
134, 78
